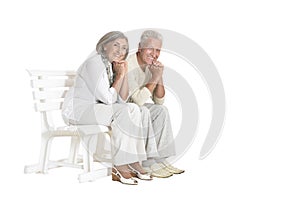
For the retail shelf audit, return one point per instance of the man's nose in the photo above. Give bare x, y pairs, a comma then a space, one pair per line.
153, 52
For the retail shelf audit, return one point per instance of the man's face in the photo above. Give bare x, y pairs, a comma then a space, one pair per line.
150, 51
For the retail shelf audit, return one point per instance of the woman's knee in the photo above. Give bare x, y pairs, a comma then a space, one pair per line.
132, 111
133, 108
161, 109
145, 110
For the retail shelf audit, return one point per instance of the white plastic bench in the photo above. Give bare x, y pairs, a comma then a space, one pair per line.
49, 89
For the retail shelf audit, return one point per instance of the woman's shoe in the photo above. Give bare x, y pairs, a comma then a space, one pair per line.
141, 176
117, 176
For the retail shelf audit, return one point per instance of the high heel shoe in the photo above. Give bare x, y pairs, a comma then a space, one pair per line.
141, 176
117, 176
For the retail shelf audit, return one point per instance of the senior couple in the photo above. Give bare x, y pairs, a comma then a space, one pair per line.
114, 91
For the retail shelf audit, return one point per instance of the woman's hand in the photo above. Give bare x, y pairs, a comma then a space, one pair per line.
120, 68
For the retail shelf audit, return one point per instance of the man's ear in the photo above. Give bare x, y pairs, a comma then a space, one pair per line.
139, 49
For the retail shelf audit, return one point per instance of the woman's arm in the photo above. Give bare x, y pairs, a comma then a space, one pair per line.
95, 77
124, 92
121, 81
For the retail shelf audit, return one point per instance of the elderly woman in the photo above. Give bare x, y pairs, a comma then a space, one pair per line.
98, 98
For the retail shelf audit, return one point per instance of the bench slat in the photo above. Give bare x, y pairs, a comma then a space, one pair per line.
51, 73
48, 106
43, 95
51, 83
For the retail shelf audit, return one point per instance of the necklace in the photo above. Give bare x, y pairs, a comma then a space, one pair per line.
108, 67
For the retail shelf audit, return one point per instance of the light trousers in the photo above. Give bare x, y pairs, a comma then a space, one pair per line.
156, 132
127, 141
138, 133
162, 128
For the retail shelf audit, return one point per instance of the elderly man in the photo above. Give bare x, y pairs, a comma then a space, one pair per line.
145, 79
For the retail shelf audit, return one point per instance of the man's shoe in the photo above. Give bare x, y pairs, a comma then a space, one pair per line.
158, 170
171, 168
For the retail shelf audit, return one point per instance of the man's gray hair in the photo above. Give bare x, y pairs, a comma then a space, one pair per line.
150, 34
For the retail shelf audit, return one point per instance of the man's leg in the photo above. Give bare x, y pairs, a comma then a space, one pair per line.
164, 136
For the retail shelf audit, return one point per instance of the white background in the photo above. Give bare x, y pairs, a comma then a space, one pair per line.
255, 46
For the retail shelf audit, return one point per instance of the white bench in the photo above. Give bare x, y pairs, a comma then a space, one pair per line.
49, 89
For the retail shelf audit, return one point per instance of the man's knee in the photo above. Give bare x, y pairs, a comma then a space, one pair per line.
162, 109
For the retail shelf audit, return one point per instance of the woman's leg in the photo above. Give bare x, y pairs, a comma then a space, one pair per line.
127, 143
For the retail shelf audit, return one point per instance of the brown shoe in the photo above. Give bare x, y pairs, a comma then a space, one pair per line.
117, 176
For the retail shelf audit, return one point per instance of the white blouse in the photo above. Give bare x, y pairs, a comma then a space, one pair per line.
91, 87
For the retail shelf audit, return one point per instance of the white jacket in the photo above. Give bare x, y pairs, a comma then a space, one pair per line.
91, 87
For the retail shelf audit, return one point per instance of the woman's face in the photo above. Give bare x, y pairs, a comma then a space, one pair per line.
116, 50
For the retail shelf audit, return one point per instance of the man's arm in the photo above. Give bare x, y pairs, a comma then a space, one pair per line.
151, 85
140, 96
159, 90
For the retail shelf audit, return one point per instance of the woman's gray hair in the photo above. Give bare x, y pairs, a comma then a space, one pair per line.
149, 34
108, 37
